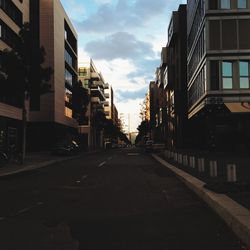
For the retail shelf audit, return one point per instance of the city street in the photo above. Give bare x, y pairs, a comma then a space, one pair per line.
120, 199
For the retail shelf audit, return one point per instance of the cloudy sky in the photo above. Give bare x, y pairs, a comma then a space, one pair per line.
124, 38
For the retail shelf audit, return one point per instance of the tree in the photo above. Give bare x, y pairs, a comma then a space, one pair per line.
80, 102
23, 72
144, 129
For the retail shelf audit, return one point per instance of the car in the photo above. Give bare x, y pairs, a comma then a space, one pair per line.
149, 145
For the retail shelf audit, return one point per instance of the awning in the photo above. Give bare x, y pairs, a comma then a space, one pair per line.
238, 107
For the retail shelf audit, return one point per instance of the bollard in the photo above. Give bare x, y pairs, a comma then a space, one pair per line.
201, 165
231, 173
192, 161
172, 154
213, 169
165, 154
185, 160
180, 158
175, 157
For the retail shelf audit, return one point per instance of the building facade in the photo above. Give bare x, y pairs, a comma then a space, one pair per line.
175, 80
13, 14
94, 81
51, 115
218, 73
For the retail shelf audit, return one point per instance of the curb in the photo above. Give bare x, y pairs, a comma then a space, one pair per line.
236, 216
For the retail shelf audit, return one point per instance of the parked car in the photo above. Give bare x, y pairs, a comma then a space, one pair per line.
149, 145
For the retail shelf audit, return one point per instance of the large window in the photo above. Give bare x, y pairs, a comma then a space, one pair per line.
225, 4
68, 58
8, 35
241, 4
227, 75
68, 78
244, 75
68, 96
12, 11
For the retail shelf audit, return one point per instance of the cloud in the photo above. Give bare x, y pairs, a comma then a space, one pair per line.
123, 15
119, 45
125, 95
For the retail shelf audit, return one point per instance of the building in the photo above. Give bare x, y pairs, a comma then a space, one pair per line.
109, 103
175, 80
218, 73
51, 118
13, 14
94, 81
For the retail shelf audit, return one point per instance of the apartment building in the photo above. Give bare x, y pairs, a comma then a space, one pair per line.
13, 14
218, 72
175, 80
51, 115
109, 103
93, 80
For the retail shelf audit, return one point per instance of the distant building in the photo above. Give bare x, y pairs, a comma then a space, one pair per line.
218, 73
13, 14
94, 81
175, 80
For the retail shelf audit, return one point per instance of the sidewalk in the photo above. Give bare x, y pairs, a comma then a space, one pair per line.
35, 161
235, 215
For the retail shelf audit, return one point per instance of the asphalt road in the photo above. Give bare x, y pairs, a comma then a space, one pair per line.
116, 200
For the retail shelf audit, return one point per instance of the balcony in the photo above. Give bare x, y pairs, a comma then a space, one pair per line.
106, 104
95, 100
106, 95
98, 92
95, 75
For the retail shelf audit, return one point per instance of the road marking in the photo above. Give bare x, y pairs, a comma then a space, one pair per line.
78, 182
102, 164
29, 208
2, 218
84, 177
133, 154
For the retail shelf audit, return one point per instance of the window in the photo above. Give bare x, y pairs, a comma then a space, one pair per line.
12, 11
241, 4
227, 75
8, 35
68, 112
68, 58
225, 4
244, 75
68, 96
68, 78
82, 72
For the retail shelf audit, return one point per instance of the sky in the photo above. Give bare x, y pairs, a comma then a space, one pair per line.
124, 38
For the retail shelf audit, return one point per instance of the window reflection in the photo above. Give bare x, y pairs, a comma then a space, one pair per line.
227, 75
225, 4
244, 75
242, 4
68, 96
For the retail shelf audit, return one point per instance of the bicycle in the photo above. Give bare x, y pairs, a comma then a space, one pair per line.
3, 158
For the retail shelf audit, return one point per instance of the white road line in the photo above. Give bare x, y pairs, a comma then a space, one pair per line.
102, 164
84, 177
133, 154
29, 208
